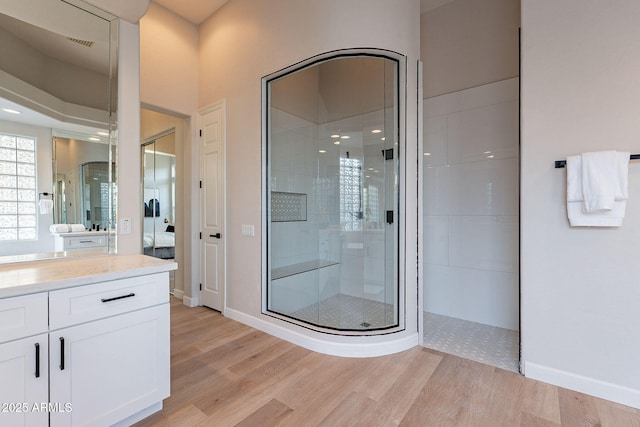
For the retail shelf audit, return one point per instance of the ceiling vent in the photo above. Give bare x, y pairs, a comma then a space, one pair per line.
85, 43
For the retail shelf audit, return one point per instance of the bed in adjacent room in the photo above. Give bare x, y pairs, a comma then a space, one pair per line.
160, 244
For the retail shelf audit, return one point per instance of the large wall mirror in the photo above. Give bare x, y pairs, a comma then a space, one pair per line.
58, 133
331, 192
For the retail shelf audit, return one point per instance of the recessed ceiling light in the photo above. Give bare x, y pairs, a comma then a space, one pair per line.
367, 176
427, 154
345, 137
93, 138
103, 133
335, 135
490, 157
322, 151
487, 152
383, 138
376, 131
370, 169
11, 111
336, 142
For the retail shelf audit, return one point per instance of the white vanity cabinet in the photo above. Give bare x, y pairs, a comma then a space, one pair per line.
24, 367
80, 240
113, 361
90, 348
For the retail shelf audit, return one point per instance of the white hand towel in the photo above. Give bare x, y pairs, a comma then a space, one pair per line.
574, 179
58, 228
578, 217
74, 228
599, 180
622, 181
46, 206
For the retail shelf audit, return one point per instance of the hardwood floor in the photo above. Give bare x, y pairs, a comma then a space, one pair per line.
224, 373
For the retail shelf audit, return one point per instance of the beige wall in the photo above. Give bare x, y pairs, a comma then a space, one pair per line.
168, 61
249, 39
169, 84
129, 138
580, 292
468, 43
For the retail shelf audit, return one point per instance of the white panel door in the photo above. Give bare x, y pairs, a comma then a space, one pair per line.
111, 368
212, 276
24, 376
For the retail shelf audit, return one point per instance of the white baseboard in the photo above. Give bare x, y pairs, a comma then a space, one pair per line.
190, 302
605, 390
178, 293
140, 415
358, 348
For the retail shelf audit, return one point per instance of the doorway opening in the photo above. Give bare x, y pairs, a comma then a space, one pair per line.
471, 223
163, 138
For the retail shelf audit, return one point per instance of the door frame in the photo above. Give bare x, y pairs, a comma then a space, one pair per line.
220, 104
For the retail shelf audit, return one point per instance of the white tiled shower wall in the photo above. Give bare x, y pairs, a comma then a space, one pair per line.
295, 166
471, 204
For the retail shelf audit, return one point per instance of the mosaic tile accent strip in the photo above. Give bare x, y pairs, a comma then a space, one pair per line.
483, 343
347, 312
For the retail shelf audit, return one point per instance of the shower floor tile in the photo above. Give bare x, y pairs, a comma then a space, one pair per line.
347, 312
476, 341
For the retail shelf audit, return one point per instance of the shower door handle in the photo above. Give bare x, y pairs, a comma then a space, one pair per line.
217, 235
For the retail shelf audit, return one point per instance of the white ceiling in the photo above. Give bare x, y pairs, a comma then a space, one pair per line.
197, 11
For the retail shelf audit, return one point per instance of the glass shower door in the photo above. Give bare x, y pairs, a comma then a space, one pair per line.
331, 194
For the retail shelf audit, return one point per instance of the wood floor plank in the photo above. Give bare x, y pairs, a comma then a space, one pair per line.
577, 409
613, 414
352, 411
528, 420
405, 388
506, 396
236, 350
541, 400
224, 373
384, 371
236, 390
322, 390
453, 395
270, 414
234, 412
186, 416
257, 359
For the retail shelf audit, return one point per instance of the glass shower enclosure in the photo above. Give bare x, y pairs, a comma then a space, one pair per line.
331, 193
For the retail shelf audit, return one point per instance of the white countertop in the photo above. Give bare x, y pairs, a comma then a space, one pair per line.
84, 233
47, 275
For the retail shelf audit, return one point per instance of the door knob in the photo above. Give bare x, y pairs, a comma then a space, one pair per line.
217, 235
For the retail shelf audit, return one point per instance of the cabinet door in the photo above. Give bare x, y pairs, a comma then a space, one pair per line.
110, 369
24, 392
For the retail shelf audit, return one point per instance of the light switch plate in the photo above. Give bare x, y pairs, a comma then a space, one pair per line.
125, 226
248, 230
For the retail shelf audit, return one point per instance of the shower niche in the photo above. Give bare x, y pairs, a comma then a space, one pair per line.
331, 168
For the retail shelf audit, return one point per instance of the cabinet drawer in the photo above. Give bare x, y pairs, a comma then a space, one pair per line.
85, 303
79, 242
23, 316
